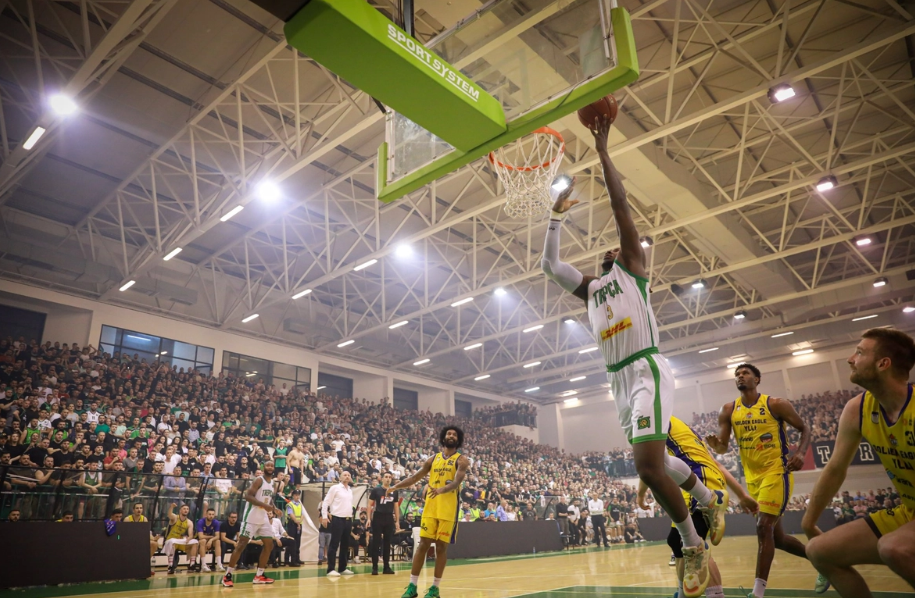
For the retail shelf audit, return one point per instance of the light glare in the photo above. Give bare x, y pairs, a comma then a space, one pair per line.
249, 318
577, 378
462, 301
62, 104
532, 364
483, 377
803, 352
231, 213
533, 328
532, 389
421, 361
301, 294
398, 324
473, 346
268, 191
172, 254
33, 138
365, 265
864, 318
127, 285
346, 343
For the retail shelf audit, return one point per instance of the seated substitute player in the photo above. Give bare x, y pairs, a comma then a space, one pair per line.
758, 422
625, 329
884, 416
180, 536
687, 446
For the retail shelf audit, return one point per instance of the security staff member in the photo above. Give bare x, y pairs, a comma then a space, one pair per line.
383, 516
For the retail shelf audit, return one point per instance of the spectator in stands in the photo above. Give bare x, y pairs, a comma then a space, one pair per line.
228, 534
14, 515
632, 533
66, 517
282, 541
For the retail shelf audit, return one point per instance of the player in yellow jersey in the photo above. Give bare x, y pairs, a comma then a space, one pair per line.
884, 416
758, 422
686, 445
440, 515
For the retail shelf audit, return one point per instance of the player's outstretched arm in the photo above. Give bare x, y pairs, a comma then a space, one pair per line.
784, 411
423, 472
830, 480
631, 254
719, 443
565, 275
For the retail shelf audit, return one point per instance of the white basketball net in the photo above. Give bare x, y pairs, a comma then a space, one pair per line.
527, 168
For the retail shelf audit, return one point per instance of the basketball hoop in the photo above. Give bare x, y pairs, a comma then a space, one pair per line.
527, 168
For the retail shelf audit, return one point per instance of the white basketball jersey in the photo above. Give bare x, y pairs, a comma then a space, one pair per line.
264, 494
620, 314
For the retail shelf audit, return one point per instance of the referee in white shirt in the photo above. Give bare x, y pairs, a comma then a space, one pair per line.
599, 521
338, 508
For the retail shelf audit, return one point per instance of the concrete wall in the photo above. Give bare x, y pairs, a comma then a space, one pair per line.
524, 432
591, 425
436, 400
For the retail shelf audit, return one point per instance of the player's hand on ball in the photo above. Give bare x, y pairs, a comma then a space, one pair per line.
601, 131
563, 203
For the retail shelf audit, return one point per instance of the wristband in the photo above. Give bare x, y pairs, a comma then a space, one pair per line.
554, 215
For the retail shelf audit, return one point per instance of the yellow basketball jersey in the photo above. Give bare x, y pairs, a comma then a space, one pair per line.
760, 438
686, 445
445, 506
178, 529
895, 443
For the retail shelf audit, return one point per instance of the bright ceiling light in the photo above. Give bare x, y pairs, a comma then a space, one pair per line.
908, 309
232, 212
172, 254
864, 318
320, 387
803, 352
249, 318
531, 364
589, 349
740, 314
421, 361
826, 183
577, 378
346, 343
399, 324
561, 183
780, 93
127, 285
164, 353
532, 389
569, 320
700, 284
62, 105
462, 301
33, 138
483, 377
268, 191
364, 265
404, 250
781, 334
709, 350
301, 294
473, 346
500, 292
568, 393
571, 401
533, 328
863, 241
249, 374
646, 242
880, 282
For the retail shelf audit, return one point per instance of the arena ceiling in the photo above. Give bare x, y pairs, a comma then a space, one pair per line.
186, 106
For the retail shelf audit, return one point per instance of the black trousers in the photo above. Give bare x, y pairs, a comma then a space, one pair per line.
278, 546
574, 532
340, 530
600, 529
383, 533
292, 552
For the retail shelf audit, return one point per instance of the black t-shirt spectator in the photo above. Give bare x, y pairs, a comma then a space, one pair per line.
384, 503
61, 458
467, 495
37, 454
231, 531
562, 511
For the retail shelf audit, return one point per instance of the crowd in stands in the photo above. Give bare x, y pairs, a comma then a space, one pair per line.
507, 414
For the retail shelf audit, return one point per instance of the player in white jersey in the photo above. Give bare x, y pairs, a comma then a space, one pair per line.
624, 326
255, 525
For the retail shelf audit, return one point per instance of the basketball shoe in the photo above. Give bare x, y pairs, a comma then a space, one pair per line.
695, 570
714, 514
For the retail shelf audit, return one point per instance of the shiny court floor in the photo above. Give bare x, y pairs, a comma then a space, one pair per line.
639, 571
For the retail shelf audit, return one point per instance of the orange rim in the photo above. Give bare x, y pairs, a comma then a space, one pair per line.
545, 131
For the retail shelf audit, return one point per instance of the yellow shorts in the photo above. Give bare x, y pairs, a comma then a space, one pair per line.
889, 520
440, 530
712, 479
772, 492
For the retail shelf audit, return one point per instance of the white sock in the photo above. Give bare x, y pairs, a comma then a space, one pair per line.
714, 592
688, 533
759, 587
680, 473
436, 581
229, 570
679, 588
414, 579
260, 571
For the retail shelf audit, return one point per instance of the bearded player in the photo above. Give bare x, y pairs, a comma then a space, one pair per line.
642, 383
884, 416
758, 422
439, 523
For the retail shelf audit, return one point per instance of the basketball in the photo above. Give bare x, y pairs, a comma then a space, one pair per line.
605, 106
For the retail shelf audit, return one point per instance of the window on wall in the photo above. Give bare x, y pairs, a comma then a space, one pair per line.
149, 348
406, 399
16, 323
271, 372
463, 408
331, 385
